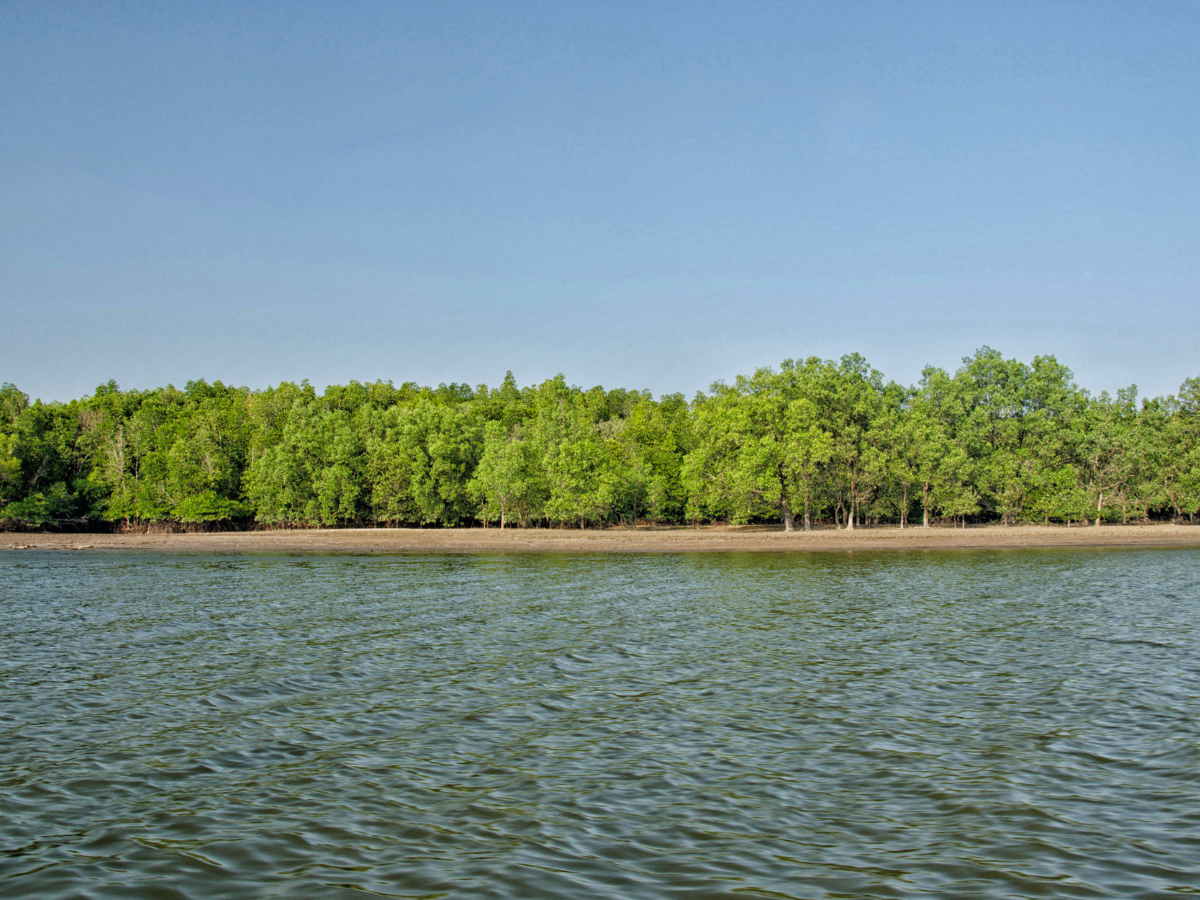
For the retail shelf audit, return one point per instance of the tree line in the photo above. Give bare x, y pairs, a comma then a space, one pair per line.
812, 442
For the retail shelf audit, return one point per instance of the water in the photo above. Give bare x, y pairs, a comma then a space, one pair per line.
1020, 724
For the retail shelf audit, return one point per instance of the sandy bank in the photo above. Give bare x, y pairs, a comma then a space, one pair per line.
618, 540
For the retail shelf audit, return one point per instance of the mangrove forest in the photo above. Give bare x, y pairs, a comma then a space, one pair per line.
814, 442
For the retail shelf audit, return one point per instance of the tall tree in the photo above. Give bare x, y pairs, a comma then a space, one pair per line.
506, 483
851, 398
421, 461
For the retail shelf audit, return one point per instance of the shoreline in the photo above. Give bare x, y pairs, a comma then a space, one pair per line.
649, 539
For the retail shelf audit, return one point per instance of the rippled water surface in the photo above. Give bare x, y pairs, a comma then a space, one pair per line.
1020, 724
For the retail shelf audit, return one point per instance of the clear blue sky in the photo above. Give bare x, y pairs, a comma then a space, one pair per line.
641, 195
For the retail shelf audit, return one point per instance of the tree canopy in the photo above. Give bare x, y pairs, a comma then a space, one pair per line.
814, 441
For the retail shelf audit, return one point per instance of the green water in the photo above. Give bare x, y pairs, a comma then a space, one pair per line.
1022, 724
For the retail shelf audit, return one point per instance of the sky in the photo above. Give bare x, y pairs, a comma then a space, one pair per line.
644, 195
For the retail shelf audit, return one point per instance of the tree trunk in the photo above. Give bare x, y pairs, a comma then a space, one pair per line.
904, 508
850, 512
1099, 507
789, 521
807, 515
925, 506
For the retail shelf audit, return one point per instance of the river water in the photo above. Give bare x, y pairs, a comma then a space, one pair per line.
1009, 724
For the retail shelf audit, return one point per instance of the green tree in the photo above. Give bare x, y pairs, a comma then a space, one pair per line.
314, 473
761, 442
1176, 452
1016, 427
506, 483
940, 464
581, 484
10, 468
1105, 432
851, 400
421, 459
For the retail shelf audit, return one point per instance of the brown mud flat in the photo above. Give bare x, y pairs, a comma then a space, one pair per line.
752, 539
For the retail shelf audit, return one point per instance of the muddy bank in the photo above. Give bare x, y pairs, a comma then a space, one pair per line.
618, 540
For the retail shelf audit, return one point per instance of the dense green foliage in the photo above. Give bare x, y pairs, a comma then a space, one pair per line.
815, 441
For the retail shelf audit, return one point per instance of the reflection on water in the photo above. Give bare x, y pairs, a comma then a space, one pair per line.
844, 725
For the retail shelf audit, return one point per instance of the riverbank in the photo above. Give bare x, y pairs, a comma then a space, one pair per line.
754, 539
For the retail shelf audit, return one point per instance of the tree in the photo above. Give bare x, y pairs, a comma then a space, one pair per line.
1176, 452
762, 442
313, 474
581, 481
10, 468
1103, 443
421, 459
1016, 427
999, 439
851, 401
506, 484
741, 459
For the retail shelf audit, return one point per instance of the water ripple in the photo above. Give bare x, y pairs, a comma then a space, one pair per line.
843, 725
